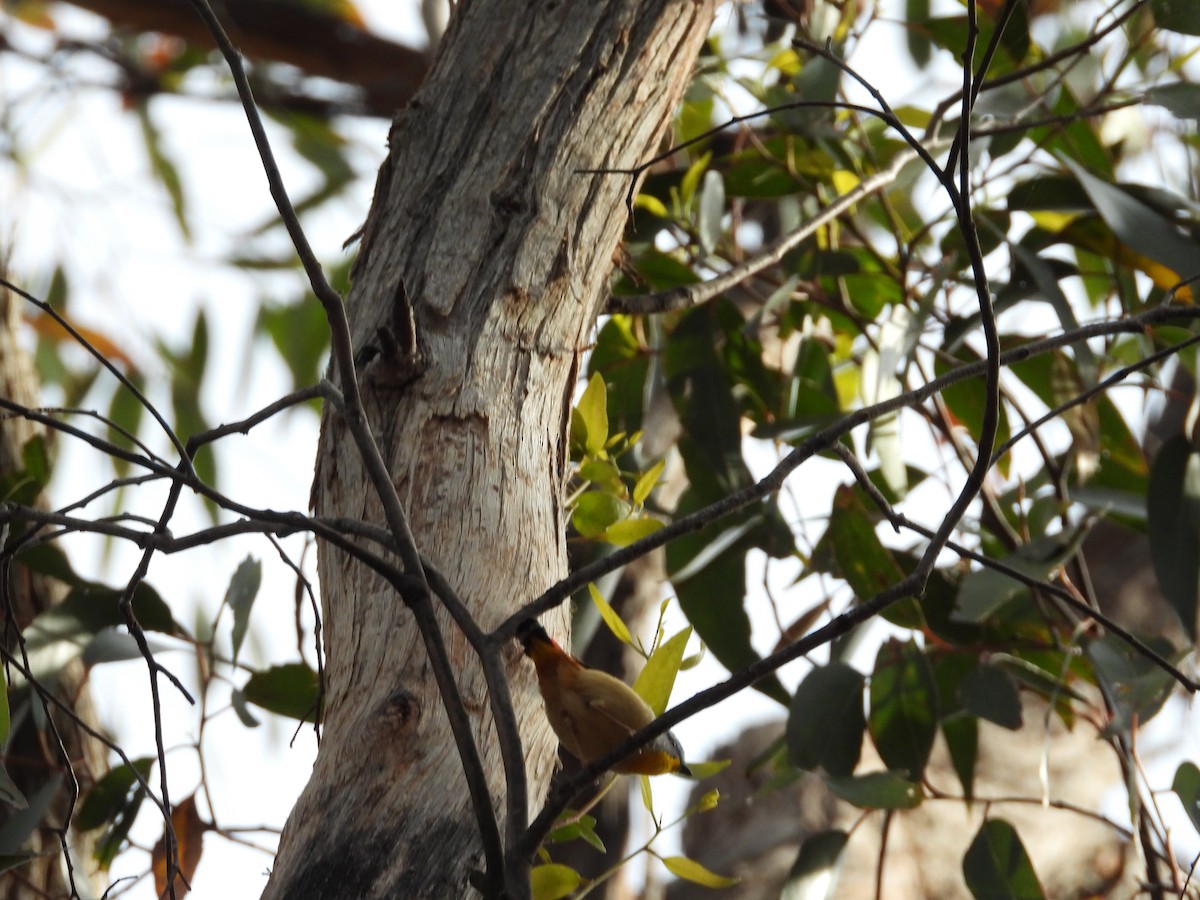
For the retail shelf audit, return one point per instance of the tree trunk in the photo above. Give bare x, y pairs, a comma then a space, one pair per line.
484, 263
33, 757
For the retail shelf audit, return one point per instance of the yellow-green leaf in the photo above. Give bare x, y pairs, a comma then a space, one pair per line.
656, 680
592, 411
629, 531
553, 881
690, 870
614, 622
646, 482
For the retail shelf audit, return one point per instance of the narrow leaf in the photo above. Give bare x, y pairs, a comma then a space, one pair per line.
240, 594
690, 870
614, 622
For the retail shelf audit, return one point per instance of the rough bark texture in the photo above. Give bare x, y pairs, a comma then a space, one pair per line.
31, 756
483, 266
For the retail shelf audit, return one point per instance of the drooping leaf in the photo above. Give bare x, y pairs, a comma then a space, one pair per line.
107, 796
1135, 687
826, 721
614, 622
243, 588
961, 732
996, 866
1186, 786
903, 707
989, 693
1173, 513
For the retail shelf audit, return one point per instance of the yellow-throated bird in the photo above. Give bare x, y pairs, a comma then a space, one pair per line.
592, 712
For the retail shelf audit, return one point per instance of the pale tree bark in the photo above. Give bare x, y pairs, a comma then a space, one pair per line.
484, 264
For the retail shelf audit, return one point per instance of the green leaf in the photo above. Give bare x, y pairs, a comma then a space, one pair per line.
614, 622
289, 690
592, 414
1182, 16
104, 802
996, 866
814, 874
961, 732
1135, 687
597, 511
657, 678
989, 693
553, 881
875, 790
125, 410
238, 701
16, 827
903, 710
984, 591
1137, 225
647, 481
243, 588
690, 870
1182, 99
577, 828
1173, 512
9, 792
630, 531
5, 722
862, 560
164, 169
826, 721
1186, 786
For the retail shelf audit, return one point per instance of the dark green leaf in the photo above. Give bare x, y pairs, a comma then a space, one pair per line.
1139, 226
125, 411
989, 693
238, 700
862, 560
1135, 687
996, 866
289, 690
985, 591
240, 594
961, 732
1173, 512
110, 794
9, 792
19, 824
1182, 16
814, 874
904, 707
876, 790
1186, 786
825, 721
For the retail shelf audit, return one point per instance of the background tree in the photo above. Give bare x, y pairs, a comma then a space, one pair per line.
829, 278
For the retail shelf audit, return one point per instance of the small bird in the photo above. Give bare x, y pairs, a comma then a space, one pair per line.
592, 712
